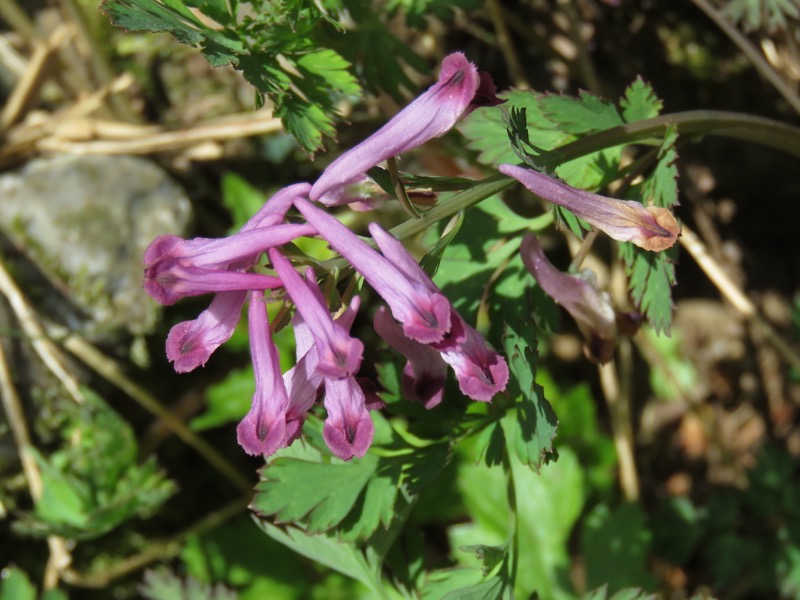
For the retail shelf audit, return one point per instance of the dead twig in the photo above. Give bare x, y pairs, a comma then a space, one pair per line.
734, 295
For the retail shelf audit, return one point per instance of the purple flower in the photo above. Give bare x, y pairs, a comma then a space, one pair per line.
263, 430
339, 355
425, 372
191, 343
579, 295
304, 380
348, 430
481, 372
175, 268
652, 228
459, 90
410, 294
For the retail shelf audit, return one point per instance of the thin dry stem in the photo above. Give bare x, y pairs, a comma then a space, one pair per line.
752, 53
30, 83
158, 551
109, 369
734, 295
44, 348
503, 36
619, 409
60, 557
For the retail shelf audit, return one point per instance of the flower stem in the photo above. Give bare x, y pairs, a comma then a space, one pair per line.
693, 123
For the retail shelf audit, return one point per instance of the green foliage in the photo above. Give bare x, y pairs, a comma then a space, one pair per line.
530, 426
579, 430
543, 122
772, 15
271, 43
164, 585
416, 11
15, 585
547, 507
601, 593
227, 401
615, 546
94, 483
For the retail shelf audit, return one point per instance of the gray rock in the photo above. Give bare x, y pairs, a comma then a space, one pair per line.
85, 222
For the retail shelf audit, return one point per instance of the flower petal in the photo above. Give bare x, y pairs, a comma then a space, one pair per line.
348, 430
430, 115
652, 228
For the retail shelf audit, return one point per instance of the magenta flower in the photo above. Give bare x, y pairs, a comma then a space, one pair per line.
481, 372
191, 343
348, 430
339, 355
459, 90
579, 295
413, 299
652, 228
425, 372
304, 380
263, 430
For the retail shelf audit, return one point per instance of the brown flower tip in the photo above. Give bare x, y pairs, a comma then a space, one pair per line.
664, 235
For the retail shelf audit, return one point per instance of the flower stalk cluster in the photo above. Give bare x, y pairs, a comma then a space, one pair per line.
417, 320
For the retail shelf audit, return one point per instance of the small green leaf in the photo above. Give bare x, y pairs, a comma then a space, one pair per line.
228, 400
531, 425
640, 102
652, 275
322, 494
585, 114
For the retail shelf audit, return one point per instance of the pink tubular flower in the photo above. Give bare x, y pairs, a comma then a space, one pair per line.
652, 228
263, 430
459, 90
175, 268
481, 372
579, 295
348, 430
425, 372
304, 380
413, 300
339, 355
191, 343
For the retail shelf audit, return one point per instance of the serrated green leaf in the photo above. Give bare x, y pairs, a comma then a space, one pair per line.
640, 102
615, 546
531, 425
377, 504
660, 188
322, 494
585, 114
331, 69
485, 129
652, 275
346, 559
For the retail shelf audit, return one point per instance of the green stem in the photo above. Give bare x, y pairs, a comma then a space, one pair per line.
693, 123
511, 492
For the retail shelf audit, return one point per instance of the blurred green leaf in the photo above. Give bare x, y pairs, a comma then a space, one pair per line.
583, 114
771, 15
241, 199
548, 505
15, 585
94, 483
227, 401
165, 585
615, 545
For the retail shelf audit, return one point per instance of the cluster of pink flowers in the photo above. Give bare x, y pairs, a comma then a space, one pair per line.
420, 321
